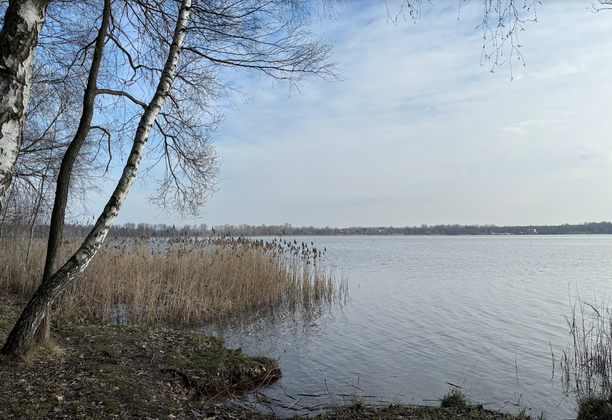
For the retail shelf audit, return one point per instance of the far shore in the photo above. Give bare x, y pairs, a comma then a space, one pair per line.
161, 230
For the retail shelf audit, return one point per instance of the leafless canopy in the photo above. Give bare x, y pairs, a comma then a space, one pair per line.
268, 37
264, 37
57, 85
502, 22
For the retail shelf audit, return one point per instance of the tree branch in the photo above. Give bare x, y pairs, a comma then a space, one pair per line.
120, 93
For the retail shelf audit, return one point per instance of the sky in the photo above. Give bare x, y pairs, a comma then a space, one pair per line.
420, 130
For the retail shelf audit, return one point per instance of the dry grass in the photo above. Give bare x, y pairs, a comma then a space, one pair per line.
586, 365
181, 282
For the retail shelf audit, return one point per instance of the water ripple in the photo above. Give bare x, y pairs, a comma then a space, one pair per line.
480, 312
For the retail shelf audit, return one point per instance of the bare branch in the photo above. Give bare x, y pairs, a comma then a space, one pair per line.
108, 136
120, 93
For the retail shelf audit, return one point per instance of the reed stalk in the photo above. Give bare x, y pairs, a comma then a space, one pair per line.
586, 364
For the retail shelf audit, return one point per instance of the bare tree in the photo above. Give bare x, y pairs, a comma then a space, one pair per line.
66, 168
25, 329
254, 35
74, 148
34, 171
181, 138
61, 69
18, 39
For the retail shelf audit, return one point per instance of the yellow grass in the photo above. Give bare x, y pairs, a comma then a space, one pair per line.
181, 282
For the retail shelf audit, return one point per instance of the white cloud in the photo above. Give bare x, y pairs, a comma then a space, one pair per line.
562, 70
419, 132
529, 126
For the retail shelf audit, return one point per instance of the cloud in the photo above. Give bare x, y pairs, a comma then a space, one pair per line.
562, 70
525, 127
420, 132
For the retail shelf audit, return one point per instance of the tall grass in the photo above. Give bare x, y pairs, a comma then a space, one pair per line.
586, 365
184, 281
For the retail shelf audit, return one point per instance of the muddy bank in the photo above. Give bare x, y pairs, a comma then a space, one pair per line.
92, 371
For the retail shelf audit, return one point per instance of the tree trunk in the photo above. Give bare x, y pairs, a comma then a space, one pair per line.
24, 331
45, 329
4, 210
23, 21
56, 226
39, 199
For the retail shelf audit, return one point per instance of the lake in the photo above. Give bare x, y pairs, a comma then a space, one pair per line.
483, 312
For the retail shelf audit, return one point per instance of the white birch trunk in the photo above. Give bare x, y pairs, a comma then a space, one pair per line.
18, 39
24, 331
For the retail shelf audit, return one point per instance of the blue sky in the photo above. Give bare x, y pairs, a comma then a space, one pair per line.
420, 132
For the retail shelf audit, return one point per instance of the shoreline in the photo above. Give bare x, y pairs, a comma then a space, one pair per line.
91, 371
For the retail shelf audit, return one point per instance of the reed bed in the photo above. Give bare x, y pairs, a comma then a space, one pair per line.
182, 282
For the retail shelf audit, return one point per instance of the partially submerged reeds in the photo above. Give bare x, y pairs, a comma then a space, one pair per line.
183, 281
586, 365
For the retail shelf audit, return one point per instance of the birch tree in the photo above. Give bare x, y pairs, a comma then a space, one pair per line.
18, 39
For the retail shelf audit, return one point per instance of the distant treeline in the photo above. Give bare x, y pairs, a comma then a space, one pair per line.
163, 230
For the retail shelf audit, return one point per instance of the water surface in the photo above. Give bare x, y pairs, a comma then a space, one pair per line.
484, 312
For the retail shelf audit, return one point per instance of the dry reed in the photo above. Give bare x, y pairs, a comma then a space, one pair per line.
586, 365
183, 281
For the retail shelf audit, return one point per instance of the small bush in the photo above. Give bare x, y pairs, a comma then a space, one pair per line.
455, 398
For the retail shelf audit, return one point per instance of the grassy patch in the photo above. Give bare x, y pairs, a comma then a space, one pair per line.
206, 366
407, 412
455, 398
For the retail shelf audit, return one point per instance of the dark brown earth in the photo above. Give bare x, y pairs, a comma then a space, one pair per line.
128, 372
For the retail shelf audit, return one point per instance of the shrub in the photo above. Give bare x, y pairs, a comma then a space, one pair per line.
455, 398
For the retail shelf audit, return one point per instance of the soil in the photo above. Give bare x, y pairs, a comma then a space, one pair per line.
103, 372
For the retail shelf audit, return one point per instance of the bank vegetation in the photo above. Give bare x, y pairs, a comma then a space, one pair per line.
180, 282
